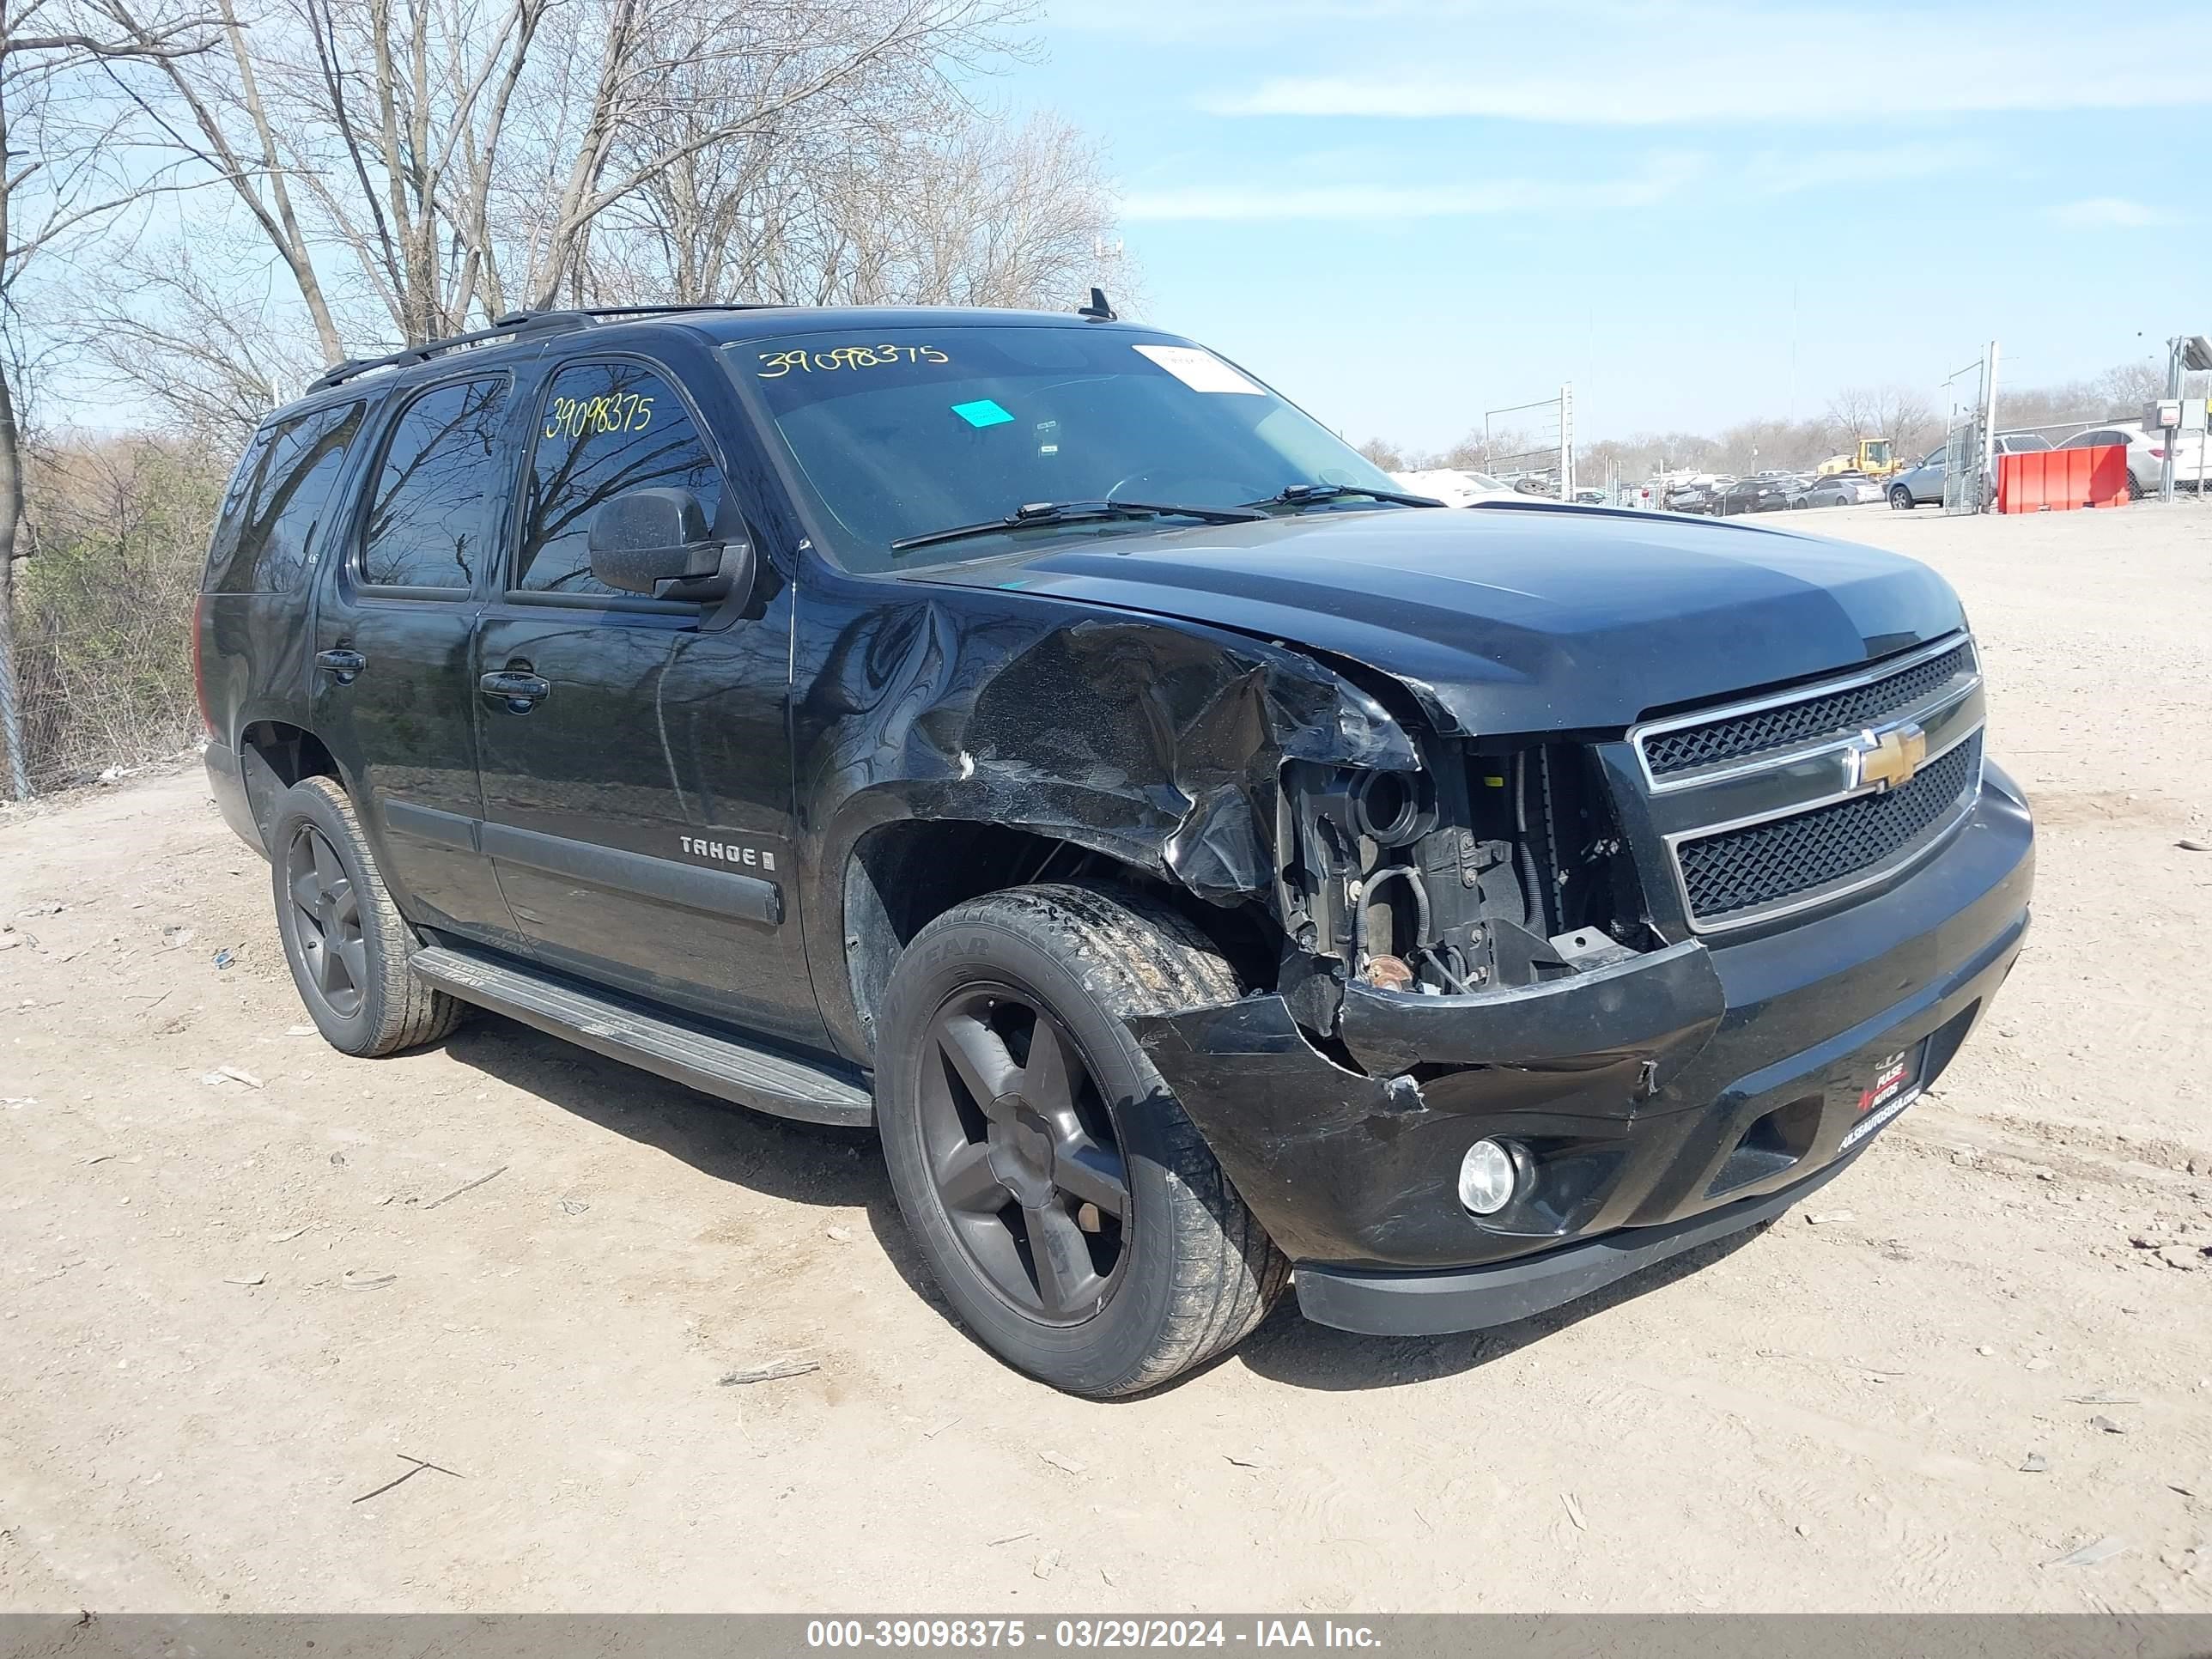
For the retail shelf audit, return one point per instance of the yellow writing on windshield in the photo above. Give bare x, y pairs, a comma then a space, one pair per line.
777, 364
615, 411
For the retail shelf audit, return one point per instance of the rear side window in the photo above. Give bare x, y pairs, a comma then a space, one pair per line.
605, 428
431, 509
278, 497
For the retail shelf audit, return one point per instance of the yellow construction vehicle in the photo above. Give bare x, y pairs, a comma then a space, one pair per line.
1874, 457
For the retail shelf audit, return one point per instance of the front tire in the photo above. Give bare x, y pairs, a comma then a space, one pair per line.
1900, 498
1066, 1206
344, 940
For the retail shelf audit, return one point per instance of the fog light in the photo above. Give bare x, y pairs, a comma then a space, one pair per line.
1486, 1177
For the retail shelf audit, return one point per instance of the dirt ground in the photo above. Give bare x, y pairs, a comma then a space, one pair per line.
235, 1307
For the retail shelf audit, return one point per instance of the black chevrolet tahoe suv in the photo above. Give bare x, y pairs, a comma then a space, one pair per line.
1206, 867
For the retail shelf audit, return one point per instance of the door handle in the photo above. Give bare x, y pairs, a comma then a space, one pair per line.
518, 689
341, 663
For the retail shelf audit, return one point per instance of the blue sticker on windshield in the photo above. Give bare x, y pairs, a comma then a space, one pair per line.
982, 412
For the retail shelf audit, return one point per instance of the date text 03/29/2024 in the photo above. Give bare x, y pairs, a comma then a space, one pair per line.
1088, 1633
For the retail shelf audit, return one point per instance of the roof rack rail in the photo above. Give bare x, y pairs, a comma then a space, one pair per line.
516, 323
513, 323
673, 310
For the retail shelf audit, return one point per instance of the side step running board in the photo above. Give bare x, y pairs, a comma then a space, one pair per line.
664, 1044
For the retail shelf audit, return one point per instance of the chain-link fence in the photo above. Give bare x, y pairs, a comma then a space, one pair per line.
1533, 443
1967, 435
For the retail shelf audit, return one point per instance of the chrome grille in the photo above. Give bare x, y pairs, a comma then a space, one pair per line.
1765, 864
1770, 804
1790, 724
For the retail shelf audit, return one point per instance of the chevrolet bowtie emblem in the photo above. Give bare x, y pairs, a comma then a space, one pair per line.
1889, 759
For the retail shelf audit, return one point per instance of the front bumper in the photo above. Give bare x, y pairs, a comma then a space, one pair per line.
1474, 1299
1695, 1081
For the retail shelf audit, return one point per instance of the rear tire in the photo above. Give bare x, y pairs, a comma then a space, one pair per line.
1022, 995
344, 940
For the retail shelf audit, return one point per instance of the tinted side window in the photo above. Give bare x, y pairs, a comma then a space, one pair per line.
605, 428
223, 546
280, 493
431, 510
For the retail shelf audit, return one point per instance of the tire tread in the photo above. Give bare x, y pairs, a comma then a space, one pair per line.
408, 1011
1133, 955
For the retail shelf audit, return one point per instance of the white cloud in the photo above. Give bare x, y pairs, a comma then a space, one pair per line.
1248, 202
1642, 63
1308, 190
1780, 172
2112, 212
1729, 84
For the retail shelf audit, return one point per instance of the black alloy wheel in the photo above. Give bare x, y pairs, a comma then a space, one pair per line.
326, 922
1023, 1155
1073, 1215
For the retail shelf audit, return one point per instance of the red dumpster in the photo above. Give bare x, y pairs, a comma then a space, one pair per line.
2060, 480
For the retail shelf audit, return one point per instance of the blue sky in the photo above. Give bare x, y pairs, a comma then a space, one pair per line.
1402, 214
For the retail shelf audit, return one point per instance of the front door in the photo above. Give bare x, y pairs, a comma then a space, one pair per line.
394, 686
636, 752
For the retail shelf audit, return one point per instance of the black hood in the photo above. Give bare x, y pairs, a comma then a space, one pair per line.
1507, 619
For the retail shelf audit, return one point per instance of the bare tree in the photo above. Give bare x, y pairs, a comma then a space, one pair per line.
64, 174
1385, 455
441, 161
1510, 449
187, 325
2119, 393
1895, 412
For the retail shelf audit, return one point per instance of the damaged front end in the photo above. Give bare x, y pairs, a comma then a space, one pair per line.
1481, 948
1463, 938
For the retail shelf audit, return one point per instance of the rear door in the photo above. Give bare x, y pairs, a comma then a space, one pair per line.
638, 804
394, 684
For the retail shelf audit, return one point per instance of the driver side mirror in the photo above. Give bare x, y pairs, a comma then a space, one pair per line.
656, 541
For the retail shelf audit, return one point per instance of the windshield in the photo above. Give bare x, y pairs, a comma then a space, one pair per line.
1877, 454
905, 431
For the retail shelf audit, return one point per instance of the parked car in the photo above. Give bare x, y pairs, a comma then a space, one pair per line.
2146, 455
1457, 486
1921, 485
1690, 498
1204, 866
1753, 496
1592, 498
1837, 489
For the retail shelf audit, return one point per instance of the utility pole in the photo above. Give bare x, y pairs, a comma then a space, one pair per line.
1567, 441
2173, 435
1989, 433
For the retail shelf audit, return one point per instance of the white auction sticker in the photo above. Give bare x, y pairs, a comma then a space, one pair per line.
1200, 370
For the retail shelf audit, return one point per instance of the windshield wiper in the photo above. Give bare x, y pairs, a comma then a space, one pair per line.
1301, 495
1038, 513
